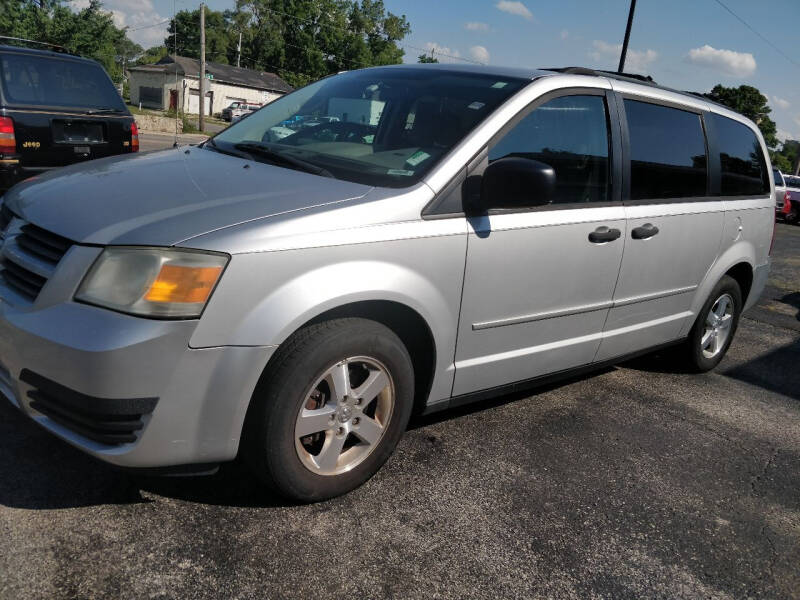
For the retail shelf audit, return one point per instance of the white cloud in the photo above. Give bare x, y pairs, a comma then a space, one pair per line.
138, 15
514, 8
635, 60
564, 34
781, 102
443, 53
476, 26
479, 53
730, 62
784, 135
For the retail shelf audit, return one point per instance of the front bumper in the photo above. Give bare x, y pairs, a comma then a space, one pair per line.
199, 397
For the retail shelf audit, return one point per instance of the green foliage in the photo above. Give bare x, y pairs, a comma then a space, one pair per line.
89, 32
152, 55
424, 58
218, 35
750, 102
787, 159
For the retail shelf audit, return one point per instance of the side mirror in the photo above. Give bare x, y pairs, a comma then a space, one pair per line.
515, 182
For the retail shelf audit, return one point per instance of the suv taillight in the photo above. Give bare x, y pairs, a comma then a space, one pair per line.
787, 203
134, 137
8, 142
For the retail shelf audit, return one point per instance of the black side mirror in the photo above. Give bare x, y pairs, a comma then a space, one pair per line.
515, 182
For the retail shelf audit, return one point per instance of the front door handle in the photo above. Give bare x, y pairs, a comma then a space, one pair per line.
644, 232
603, 234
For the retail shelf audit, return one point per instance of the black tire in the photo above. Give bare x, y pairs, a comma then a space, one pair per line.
791, 218
269, 443
693, 350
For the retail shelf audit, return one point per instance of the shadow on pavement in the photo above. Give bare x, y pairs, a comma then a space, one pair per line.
40, 472
777, 371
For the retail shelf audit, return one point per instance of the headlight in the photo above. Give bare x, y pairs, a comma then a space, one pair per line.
153, 282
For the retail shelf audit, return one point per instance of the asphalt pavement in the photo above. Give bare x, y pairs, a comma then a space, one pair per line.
634, 482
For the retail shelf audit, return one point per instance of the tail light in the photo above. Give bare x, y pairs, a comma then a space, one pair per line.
134, 137
8, 143
787, 203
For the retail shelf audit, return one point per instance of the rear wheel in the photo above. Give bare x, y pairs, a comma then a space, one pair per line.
330, 411
716, 324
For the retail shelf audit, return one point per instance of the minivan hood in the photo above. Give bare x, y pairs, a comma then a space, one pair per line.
167, 197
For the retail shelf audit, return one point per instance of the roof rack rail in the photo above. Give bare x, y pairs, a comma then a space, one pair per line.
646, 79
55, 47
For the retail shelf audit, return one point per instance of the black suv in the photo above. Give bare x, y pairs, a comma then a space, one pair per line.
57, 109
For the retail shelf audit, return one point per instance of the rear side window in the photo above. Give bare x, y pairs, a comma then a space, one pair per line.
743, 169
668, 152
570, 134
778, 179
30, 80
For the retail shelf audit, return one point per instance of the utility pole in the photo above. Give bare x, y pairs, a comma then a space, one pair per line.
239, 49
202, 65
624, 53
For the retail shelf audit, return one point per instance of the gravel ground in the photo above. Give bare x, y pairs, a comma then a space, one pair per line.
633, 482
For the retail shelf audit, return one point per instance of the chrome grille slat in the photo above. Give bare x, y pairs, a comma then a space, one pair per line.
28, 260
14, 251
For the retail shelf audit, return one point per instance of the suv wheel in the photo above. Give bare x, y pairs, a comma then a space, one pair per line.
330, 410
716, 324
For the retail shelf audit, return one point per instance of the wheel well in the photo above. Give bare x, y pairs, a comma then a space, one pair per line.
409, 326
743, 274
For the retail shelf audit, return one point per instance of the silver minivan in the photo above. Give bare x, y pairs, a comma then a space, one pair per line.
381, 243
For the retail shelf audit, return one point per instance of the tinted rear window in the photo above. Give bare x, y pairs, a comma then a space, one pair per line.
668, 152
792, 181
744, 172
29, 80
777, 176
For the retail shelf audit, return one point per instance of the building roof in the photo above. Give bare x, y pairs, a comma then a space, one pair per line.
190, 67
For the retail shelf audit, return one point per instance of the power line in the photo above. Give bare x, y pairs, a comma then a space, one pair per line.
147, 26
764, 38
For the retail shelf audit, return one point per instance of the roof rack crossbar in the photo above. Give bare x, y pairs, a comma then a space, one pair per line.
599, 72
18, 39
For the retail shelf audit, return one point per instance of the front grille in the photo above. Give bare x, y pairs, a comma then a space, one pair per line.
30, 258
5, 218
108, 422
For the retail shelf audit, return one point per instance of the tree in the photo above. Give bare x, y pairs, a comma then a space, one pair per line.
750, 102
424, 58
219, 37
89, 32
304, 40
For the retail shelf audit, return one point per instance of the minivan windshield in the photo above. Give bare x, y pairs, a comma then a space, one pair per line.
30, 80
385, 126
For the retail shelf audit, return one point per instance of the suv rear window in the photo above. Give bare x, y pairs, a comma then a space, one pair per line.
744, 171
30, 80
668, 152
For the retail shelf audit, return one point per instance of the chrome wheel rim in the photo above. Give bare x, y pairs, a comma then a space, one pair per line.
344, 415
717, 326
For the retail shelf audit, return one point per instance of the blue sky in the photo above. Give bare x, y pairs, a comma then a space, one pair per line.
684, 44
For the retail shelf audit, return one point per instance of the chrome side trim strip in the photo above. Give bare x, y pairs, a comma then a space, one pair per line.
542, 316
576, 310
654, 296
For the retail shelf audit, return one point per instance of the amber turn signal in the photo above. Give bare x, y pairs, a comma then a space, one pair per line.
183, 284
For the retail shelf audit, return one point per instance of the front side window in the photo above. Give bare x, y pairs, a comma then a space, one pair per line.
744, 171
570, 134
383, 126
667, 152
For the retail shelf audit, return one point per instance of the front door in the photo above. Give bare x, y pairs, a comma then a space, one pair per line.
539, 283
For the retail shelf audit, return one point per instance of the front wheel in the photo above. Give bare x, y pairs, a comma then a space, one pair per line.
716, 324
334, 403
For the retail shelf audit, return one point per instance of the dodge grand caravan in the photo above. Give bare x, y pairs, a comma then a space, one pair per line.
439, 235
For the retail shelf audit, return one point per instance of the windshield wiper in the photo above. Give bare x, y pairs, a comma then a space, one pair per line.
281, 159
100, 111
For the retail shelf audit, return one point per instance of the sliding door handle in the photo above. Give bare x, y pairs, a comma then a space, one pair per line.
644, 232
603, 234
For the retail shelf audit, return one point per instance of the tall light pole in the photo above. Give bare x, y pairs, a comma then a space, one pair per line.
202, 65
624, 53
